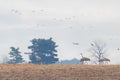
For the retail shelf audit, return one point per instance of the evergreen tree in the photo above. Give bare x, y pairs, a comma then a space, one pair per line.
45, 49
15, 56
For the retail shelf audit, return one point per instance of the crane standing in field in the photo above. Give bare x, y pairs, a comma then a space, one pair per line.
104, 60
84, 60
38, 58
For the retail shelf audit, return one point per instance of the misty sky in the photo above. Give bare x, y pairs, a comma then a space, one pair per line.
67, 21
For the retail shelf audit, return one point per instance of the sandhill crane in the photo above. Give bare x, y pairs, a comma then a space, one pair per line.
104, 60
38, 58
84, 60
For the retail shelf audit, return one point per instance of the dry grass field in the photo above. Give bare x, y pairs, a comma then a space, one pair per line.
59, 72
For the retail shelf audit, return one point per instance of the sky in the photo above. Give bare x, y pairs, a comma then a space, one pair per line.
66, 21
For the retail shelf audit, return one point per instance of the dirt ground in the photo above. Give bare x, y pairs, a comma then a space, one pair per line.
59, 72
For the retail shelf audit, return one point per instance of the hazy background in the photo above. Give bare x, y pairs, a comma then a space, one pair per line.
67, 21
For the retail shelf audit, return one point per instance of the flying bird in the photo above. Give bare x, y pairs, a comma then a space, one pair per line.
16, 11
41, 10
92, 44
33, 11
75, 43
27, 53
118, 49
38, 11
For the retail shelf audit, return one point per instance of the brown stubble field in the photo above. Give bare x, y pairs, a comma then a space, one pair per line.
59, 72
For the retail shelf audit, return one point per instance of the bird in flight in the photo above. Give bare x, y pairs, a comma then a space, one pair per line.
75, 43
92, 44
16, 11
118, 49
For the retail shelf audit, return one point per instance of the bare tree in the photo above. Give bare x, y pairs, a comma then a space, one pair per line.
98, 49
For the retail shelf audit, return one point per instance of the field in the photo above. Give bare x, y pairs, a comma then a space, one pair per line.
59, 72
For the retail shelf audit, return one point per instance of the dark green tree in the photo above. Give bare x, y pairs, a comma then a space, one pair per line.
45, 49
15, 56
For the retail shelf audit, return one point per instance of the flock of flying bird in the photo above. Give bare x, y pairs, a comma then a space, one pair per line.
18, 12
74, 43
42, 11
